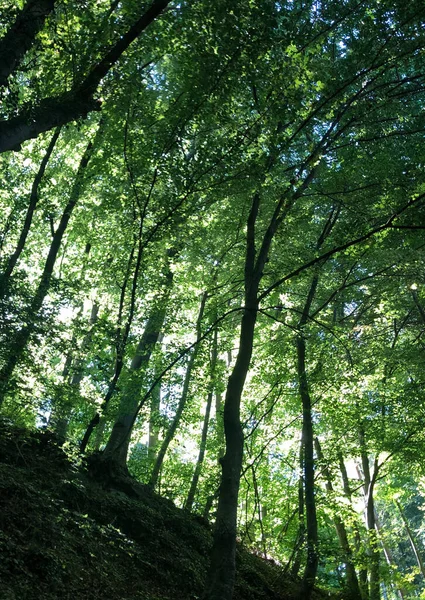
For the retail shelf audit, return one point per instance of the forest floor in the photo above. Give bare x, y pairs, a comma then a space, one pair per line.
64, 536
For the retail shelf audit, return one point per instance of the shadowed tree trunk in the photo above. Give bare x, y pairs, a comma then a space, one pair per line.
352, 583
21, 35
307, 438
14, 257
195, 479
373, 545
171, 431
116, 449
221, 574
20, 340
71, 105
299, 542
363, 581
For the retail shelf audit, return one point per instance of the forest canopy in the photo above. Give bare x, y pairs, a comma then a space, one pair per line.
212, 266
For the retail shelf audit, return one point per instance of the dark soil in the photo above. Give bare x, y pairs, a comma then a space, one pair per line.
65, 535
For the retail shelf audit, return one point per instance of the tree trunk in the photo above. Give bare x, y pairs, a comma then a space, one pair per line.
363, 581
19, 343
73, 372
412, 540
195, 479
169, 436
309, 491
220, 581
221, 574
116, 449
373, 545
352, 583
69, 106
13, 258
21, 36
299, 543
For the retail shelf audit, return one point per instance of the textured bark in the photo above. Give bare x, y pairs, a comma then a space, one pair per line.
19, 343
171, 431
220, 582
298, 549
57, 111
21, 36
352, 583
221, 574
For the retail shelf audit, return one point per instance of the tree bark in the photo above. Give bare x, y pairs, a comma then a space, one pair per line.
116, 449
363, 581
21, 36
309, 486
171, 431
59, 110
19, 343
352, 583
13, 258
373, 545
198, 467
299, 542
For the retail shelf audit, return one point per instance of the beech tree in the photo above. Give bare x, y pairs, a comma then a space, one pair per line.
211, 256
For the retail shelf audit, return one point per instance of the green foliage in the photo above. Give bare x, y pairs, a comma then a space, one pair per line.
319, 106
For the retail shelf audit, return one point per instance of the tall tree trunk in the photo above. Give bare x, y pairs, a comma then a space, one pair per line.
195, 479
363, 581
309, 486
299, 542
73, 373
352, 583
412, 540
169, 436
116, 449
14, 257
221, 575
20, 340
373, 545
310, 571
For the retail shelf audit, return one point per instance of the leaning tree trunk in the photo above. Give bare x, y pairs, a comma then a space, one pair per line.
73, 374
171, 431
352, 583
197, 472
34, 196
20, 340
413, 543
116, 449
